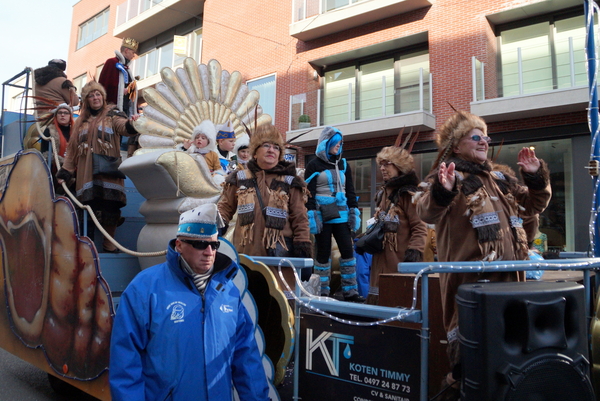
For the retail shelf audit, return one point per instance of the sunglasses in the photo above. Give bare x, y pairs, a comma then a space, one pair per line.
478, 138
202, 245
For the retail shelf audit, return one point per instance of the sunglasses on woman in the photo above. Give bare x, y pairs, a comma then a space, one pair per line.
202, 245
478, 138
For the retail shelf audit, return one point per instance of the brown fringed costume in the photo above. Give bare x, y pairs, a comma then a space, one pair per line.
280, 226
479, 219
405, 232
97, 132
283, 224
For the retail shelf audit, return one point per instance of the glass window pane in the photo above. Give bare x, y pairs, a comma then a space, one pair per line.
536, 63
361, 174
132, 9
339, 96
140, 66
178, 58
333, 4
557, 221
99, 70
570, 30
266, 87
152, 63
166, 56
408, 92
197, 52
93, 28
377, 81
105, 21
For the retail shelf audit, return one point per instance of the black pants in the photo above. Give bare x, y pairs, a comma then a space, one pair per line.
343, 237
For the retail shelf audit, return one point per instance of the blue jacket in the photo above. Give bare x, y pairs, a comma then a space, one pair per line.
329, 180
171, 343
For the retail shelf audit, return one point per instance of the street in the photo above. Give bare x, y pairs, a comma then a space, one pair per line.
21, 381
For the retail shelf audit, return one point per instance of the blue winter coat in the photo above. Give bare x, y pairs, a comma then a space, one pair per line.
330, 180
171, 343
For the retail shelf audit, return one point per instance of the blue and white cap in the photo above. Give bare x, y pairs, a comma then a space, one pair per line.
200, 222
225, 131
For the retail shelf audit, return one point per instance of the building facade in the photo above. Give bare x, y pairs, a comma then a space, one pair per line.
374, 67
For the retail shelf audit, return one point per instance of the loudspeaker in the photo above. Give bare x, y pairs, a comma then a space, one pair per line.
523, 341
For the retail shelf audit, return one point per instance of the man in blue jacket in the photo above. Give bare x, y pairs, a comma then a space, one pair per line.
181, 331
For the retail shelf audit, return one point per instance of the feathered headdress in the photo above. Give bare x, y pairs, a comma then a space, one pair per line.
398, 155
454, 128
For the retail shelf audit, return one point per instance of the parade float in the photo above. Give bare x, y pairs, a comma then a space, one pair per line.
59, 294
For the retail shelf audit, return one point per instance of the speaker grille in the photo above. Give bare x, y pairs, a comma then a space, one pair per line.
549, 380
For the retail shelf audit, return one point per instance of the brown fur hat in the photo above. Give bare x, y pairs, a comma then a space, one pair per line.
456, 126
89, 88
263, 134
399, 157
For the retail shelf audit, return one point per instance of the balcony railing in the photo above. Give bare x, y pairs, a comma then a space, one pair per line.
532, 75
132, 8
342, 108
309, 8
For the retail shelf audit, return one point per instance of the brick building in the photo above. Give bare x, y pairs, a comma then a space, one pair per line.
372, 67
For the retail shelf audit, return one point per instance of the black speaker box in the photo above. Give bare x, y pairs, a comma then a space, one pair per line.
523, 341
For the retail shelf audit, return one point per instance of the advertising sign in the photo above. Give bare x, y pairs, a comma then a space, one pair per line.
355, 363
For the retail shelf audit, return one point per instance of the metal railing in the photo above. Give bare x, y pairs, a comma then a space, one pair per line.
533, 75
343, 109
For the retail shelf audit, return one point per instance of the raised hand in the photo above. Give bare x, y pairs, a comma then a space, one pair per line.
528, 161
446, 176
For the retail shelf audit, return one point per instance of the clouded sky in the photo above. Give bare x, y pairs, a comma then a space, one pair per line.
33, 32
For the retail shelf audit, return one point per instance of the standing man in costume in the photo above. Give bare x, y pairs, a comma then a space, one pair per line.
181, 331
117, 79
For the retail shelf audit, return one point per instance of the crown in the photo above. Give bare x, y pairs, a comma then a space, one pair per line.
130, 43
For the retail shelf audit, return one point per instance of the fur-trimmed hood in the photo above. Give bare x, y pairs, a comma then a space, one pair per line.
207, 128
46, 74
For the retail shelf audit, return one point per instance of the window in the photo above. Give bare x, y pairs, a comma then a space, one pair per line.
99, 71
329, 5
543, 55
266, 87
361, 174
80, 82
150, 63
93, 28
376, 87
166, 56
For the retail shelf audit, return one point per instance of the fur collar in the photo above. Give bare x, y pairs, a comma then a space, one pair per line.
121, 58
404, 180
48, 73
470, 167
282, 168
399, 185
